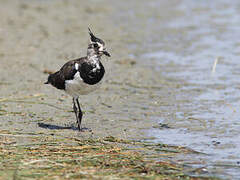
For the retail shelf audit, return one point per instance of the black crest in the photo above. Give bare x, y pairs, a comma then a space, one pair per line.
94, 38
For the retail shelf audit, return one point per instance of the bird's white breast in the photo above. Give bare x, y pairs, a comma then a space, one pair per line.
77, 87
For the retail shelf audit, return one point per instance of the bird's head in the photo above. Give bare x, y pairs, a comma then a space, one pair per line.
96, 45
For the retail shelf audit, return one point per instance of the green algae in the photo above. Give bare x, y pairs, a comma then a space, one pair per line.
63, 158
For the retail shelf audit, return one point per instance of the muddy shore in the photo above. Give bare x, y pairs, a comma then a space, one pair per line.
144, 96
35, 38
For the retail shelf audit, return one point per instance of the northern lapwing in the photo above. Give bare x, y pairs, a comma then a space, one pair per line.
81, 76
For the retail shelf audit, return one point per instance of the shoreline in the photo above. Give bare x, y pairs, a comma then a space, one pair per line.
112, 158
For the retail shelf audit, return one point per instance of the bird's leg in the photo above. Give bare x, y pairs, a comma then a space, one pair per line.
75, 109
79, 115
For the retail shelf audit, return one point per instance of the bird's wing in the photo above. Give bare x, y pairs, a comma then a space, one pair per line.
70, 68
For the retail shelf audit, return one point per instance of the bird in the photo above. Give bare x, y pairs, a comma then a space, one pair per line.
81, 76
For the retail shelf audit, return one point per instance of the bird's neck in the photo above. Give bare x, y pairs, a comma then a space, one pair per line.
94, 59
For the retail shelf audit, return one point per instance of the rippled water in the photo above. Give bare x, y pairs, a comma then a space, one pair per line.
183, 39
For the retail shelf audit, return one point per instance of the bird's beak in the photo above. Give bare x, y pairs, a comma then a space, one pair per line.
106, 53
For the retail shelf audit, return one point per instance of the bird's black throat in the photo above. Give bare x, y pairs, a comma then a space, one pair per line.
89, 76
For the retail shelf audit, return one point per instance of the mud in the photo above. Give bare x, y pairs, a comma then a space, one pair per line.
38, 37
158, 84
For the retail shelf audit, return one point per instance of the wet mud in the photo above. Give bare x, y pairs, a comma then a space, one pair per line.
159, 84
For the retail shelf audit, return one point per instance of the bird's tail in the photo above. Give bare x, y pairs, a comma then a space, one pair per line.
56, 80
49, 79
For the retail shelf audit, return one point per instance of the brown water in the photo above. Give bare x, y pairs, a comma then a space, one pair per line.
159, 83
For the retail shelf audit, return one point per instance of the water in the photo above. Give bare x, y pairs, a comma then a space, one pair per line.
183, 39
173, 46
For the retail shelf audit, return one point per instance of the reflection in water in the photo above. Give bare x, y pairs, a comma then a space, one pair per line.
183, 39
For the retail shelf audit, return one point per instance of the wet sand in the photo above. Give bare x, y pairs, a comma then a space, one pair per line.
158, 84
40, 36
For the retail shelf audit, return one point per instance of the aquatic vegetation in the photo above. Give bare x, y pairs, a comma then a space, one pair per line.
44, 157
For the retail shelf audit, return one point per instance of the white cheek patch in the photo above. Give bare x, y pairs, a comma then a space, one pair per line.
76, 66
100, 46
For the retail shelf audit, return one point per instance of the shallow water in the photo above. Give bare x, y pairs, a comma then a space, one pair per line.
185, 39
159, 82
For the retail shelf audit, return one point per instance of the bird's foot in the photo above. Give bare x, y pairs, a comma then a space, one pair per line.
84, 129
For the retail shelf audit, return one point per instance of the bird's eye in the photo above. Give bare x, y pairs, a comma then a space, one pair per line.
95, 45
